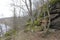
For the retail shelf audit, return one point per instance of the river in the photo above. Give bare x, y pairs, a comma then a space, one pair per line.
3, 29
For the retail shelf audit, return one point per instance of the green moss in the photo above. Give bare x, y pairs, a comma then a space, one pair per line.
8, 38
54, 1
10, 33
36, 22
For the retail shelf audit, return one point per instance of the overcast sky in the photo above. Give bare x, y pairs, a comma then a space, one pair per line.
5, 8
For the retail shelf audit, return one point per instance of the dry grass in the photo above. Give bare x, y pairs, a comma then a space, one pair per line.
38, 36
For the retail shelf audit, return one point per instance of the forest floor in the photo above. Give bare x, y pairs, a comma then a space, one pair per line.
38, 35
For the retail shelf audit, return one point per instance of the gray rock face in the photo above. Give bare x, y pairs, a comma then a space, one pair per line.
56, 23
55, 16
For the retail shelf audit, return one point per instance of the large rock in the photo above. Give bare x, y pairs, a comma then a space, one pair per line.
55, 16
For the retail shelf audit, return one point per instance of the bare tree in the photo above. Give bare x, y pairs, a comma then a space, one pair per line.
15, 19
29, 8
46, 21
48, 11
15, 25
1, 31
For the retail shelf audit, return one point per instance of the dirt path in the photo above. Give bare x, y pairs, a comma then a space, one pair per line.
37, 36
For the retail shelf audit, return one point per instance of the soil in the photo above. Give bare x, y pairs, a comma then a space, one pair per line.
38, 35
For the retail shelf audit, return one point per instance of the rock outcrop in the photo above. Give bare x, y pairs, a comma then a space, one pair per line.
55, 16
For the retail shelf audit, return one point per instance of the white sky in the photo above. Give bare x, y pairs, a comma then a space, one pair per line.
5, 8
